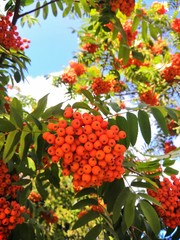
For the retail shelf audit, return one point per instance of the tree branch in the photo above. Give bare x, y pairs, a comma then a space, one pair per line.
16, 12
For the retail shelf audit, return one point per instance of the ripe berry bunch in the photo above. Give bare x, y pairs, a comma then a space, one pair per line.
9, 37
79, 68
159, 7
34, 197
175, 25
88, 148
149, 97
49, 216
168, 147
10, 215
168, 194
173, 69
69, 76
90, 47
6, 180
130, 35
99, 86
126, 7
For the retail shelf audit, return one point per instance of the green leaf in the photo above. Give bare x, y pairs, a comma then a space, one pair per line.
36, 13
88, 95
11, 144
144, 124
86, 191
31, 164
171, 171
149, 198
124, 52
103, 109
81, 105
59, 3
6, 125
144, 30
52, 176
111, 231
2, 140
85, 5
115, 106
138, 55
52, 111
141, 184
25, 142
94, 232
135, 23
123, 125
41, 189
54, 9
168, 162
172, 114
91, 215
85, 202
67, 10
77, 9
17, 76
22, 182
132, 122
154, 31
129, 210
151, 216
119, 203
16, 116
41, 105
23, 196
160, 119
45, 10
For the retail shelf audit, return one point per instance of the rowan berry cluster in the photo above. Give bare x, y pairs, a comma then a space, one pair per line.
118, 63
34, 197
99, 86
9, 37
175, 25
49, 216
130, 35
69, 76
168, 194
173, 69
90, 47
158, 47
149, 97
78, 68
126, 7
10, 215
88, 148
6, 180
168, 147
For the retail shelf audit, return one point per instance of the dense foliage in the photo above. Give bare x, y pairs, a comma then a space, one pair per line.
102, 167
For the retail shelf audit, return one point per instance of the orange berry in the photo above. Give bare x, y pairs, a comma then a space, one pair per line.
114, 128
59, 140
45, 135
80, 171
73, 147
50, 138
94, 179
59, 152
102, 164
80, 150
77, 115
68, 112
98, 118
111, 142
119, 148
51, 150
109, 157
78, 131
122, 134
88, 146
110, 133
87, 129
82, 162
104, 139
55, 159
92, 137
92, 161
74, 166
87, 119
104, 124
66, 172
62, 123
69, 130
66, 147
96, 125
76, 176
97, 144
83, 138
96, 170
99, 132
87, 168
100, 154
52, 126
77, 157
68, 155
76, 123
69, 139
61, 132
107, 149
92, 153
86, 178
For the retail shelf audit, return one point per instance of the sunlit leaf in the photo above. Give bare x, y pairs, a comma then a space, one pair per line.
36, 13
132, 122
160, 119
54, 9
6, 125
145, 126
45, 10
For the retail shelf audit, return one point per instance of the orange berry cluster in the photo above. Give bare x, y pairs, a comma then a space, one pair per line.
88, 149
49, 216
126, 7
90, 47
173, 70
158, 47
34, 197
6, 180
9, 37
69, 76
149, 97
10, 215
99, 86
175, 25
78, 68
168, 194
159, 7
168, 147
118, 63
130, 35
